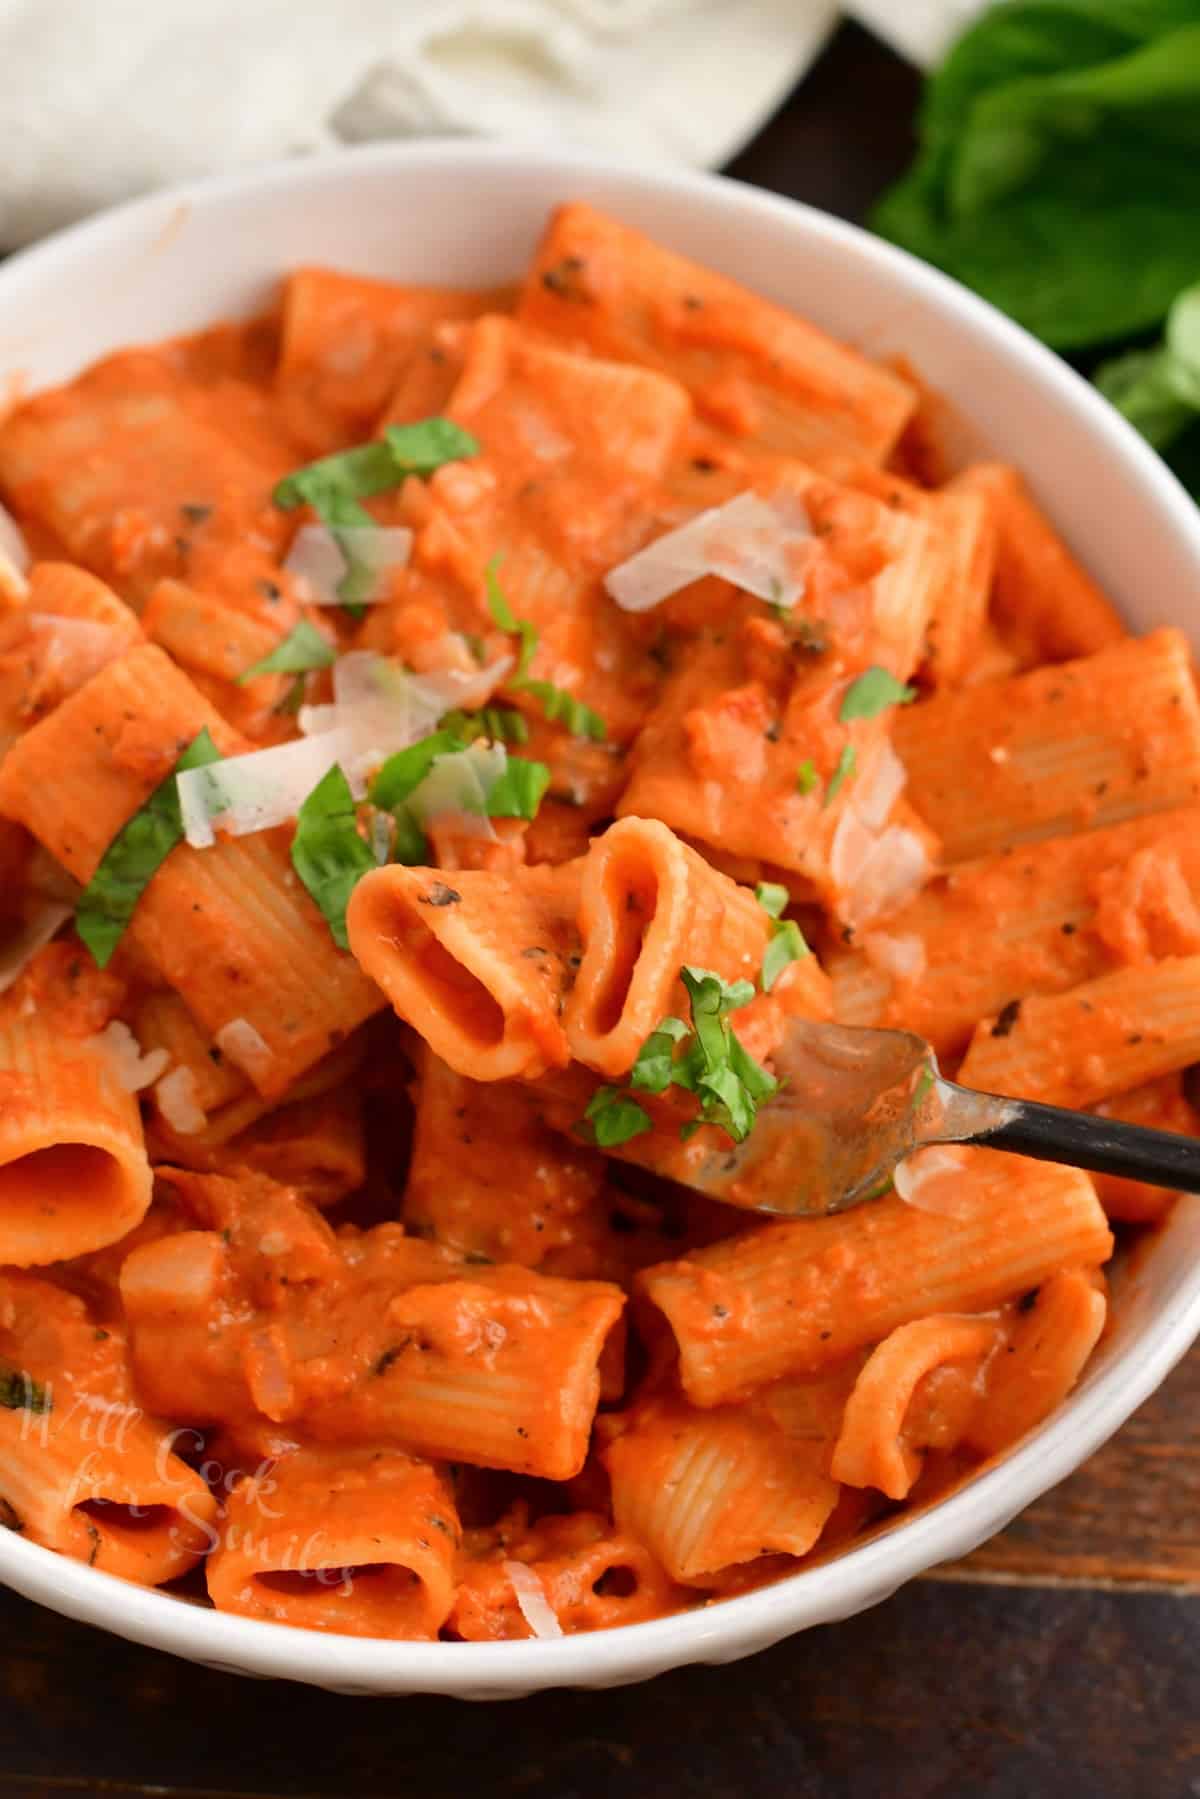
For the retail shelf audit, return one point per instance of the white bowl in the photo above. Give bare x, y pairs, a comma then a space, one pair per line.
471, 213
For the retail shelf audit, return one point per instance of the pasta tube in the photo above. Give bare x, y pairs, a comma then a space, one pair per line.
648, 905
359, 1542
1066, 748
479, 964
789, 1297
74, 1174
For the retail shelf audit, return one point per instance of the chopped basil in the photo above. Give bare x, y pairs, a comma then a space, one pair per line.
787, 945
507, 620
515, 792
134, 857
806, 776
725, 1077
303, 648
334, 486
772, 897
502, 724
847, 765
518, 792
873, 693
422, 448
615, 1118
19, 1392
561, 707
707, 1060
327, 852
558, 705
654, 1069
402, 773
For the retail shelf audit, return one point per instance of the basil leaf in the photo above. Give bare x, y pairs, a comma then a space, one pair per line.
614, 1118
806, 776
502, 724
847, 766
327, 852
787, 945
350, 475
19, 1392
504, 616
1059, 167
872, 694
423, 447
303, 648
561, 707
772, 897
557, 704
334, 485
654, 1069
518, 792
403, 772
134, 857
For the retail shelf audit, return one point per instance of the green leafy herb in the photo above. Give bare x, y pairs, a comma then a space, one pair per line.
303, 648
335, 486
872, 693
134, 857
561, 707
515, 792
19, 1392
653, 1071
806, 776
787, 940
772, 897
847, 766
787, 945
327, 852
1059, 168
518, 792
615, 1118
1159, 390
707, 1060
502, 724
558, 705
422, 448
403, 773
507, 620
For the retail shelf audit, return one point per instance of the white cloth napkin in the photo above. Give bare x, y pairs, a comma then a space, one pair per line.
101, 99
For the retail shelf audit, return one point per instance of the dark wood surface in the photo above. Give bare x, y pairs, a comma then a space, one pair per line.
1061, 1661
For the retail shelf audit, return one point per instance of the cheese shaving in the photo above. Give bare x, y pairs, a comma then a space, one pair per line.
134, 1069
246, 1048
762, 546
532, 1602
175, 1095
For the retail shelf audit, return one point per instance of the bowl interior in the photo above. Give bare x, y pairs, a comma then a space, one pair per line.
467, 213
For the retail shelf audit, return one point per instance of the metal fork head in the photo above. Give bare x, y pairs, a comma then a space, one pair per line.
852, 1104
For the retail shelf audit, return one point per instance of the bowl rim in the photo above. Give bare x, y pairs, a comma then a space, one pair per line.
858, 1576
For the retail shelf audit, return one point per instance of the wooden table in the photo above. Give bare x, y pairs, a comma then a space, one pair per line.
1059, 1660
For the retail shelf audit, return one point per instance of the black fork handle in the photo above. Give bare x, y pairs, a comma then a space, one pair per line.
1103, 1145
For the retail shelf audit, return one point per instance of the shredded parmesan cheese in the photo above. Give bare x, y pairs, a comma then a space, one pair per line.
532, 1602
762, 546
261, 789
176, 1097
134, 1070
246, 1048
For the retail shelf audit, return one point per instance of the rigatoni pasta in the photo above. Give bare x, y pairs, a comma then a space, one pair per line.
448, 739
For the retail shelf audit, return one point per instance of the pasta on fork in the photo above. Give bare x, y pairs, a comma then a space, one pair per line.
446, 738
